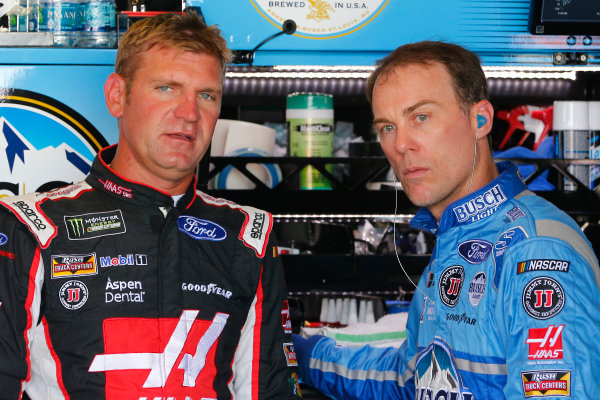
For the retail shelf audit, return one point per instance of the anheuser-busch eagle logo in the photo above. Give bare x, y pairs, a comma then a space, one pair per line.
138, 365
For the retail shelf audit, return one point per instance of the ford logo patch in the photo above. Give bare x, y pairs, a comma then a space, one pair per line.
3, 238
475, 251
200, 229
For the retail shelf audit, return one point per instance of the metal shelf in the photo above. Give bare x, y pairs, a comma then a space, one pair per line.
351, 200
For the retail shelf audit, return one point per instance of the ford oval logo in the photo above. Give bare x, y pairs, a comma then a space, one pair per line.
475, 251
3, 238
200, 229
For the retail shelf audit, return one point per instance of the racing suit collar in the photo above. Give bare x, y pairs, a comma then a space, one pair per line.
476, 206
103, 178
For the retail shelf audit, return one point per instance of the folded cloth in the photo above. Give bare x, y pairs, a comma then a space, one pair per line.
388, 331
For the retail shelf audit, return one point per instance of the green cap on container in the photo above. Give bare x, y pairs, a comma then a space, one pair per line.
310, 101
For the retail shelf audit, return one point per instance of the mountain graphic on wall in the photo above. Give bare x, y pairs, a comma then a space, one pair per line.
30, 168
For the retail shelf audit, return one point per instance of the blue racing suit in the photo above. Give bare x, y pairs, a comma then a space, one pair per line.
508, 308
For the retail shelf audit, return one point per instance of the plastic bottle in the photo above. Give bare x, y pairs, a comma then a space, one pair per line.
60, 18
99, 23
24, 16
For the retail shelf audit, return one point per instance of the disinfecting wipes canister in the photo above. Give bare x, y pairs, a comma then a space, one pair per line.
594, 111
572, 135
310, 127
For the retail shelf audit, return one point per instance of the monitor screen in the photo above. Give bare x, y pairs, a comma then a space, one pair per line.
565, 17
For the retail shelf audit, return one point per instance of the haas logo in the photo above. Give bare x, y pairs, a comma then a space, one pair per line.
138, 364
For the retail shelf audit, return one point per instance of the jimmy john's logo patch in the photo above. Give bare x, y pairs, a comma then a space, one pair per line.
543, 298
546, 383
73, 295
451, 283
88, 226
67, 266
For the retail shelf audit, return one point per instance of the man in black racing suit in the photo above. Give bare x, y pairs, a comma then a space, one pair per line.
132, 284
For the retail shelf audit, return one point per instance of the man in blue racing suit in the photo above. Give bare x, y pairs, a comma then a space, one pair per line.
509, 305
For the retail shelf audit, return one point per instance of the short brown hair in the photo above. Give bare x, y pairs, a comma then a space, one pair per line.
185, 32
464, 67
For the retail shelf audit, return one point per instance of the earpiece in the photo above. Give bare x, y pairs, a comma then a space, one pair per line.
481, 121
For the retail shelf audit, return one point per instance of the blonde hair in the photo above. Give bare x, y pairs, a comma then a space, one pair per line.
185, 32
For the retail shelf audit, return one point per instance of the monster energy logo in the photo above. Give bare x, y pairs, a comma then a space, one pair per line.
76, 226
87, 226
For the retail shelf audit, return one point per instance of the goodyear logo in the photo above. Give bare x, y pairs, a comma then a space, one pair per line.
67, 266
88, 226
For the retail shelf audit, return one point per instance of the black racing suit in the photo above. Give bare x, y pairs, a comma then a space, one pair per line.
109, 291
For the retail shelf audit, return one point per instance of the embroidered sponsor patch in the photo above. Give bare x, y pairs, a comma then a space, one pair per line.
546, 383
294, 384
286, 321
200, 229
475, 251
7, 254
543, 265
35, 220
70, 265
3, 239
545, 343
210, 288
73, 295
116, 189
543, 298
92, 225
123, 260
290, 354
477, 288
461, 318
480, 206
513, 214
508, 238
124, 292
430, 279
451, 283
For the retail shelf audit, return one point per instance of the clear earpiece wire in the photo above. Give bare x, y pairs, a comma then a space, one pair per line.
396, 248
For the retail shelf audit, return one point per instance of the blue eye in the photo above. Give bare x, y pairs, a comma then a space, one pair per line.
206, 96
385, 130
164, 88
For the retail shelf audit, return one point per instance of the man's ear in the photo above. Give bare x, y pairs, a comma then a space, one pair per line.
115, 94
482, 116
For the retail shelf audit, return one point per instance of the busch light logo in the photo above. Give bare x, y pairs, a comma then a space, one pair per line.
3, 238
321, 19
436, 374
475, 251
480, 206
37, 131
200, 229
